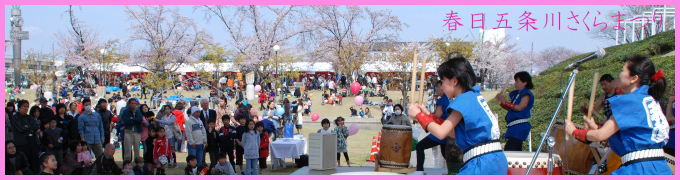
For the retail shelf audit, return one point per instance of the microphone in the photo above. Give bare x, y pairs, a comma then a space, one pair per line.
598, 54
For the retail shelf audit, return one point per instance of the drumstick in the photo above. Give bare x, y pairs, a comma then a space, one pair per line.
422, 81
570, 107
413, 78
505, 85
592, 96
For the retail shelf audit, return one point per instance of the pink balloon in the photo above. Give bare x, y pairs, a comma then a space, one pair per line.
353, 129
358, 100
355, 87
315, 117
258, 88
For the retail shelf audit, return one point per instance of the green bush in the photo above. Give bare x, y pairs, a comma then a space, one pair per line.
547, 90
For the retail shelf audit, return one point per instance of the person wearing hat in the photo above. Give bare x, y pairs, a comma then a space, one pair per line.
195, 134
46, 113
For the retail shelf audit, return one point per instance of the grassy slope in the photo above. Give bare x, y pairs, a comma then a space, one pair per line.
547, 84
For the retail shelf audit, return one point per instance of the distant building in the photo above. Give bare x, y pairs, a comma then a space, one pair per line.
39, 66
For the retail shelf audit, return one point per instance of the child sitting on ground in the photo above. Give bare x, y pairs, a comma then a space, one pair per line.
127, 168
192, 167
223, 167
139, 168
85, 155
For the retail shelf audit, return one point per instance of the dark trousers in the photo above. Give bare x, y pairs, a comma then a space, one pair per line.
346, 156
231, 155
107, 138
32, 153
513, 144
426, 143
213, 158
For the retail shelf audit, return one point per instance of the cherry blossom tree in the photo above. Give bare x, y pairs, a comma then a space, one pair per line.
492, 60
400, 61
549, 57
253, 34
340, 34
80, 44
170, 40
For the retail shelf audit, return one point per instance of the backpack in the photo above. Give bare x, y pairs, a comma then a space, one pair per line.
295, 109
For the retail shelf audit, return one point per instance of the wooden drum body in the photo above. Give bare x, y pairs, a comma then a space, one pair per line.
518, 163
395, 146
580, 158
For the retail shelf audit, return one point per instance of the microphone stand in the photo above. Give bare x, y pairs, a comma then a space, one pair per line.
572, 78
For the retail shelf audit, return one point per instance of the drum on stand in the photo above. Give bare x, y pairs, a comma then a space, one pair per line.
580, 158
518, 163
395, 146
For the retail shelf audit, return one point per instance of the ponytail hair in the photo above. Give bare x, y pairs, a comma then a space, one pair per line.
643, 67
460, 69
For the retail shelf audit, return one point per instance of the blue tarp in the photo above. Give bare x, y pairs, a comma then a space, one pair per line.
112, 89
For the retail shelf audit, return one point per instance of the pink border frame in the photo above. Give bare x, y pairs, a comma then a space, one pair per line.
345, 2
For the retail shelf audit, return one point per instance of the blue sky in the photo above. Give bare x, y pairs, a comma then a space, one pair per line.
111, 22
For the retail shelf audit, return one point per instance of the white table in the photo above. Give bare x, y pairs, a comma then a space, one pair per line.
288, 148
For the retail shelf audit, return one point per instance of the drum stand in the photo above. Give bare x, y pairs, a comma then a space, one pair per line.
572, 78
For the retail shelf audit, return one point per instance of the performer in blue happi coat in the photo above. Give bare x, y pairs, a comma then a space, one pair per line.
471, 122
519, 111
638, 129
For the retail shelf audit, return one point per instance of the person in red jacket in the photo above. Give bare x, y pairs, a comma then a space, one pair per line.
179, 120
264, 146
161, 148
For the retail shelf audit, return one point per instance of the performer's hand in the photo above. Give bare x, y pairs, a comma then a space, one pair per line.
589, 123
424, 109
569, 127
499, 98
413, 110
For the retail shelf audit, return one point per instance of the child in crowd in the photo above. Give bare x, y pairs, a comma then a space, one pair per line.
226, 135
223, 167
49, 164
85, 155
127, 168
149, 145
139, 168
342, 133
264, 145
192, 167
326, 127
240, 130
54, 139
213, 143
161, 148
251, 146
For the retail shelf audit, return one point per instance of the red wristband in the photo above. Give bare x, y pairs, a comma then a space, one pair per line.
580, 134
510, 105
436, 119
503, 106
424, 120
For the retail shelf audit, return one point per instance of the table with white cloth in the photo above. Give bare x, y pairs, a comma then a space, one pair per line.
287, 148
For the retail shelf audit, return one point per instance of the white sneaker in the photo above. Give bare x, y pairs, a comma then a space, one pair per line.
417, 173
